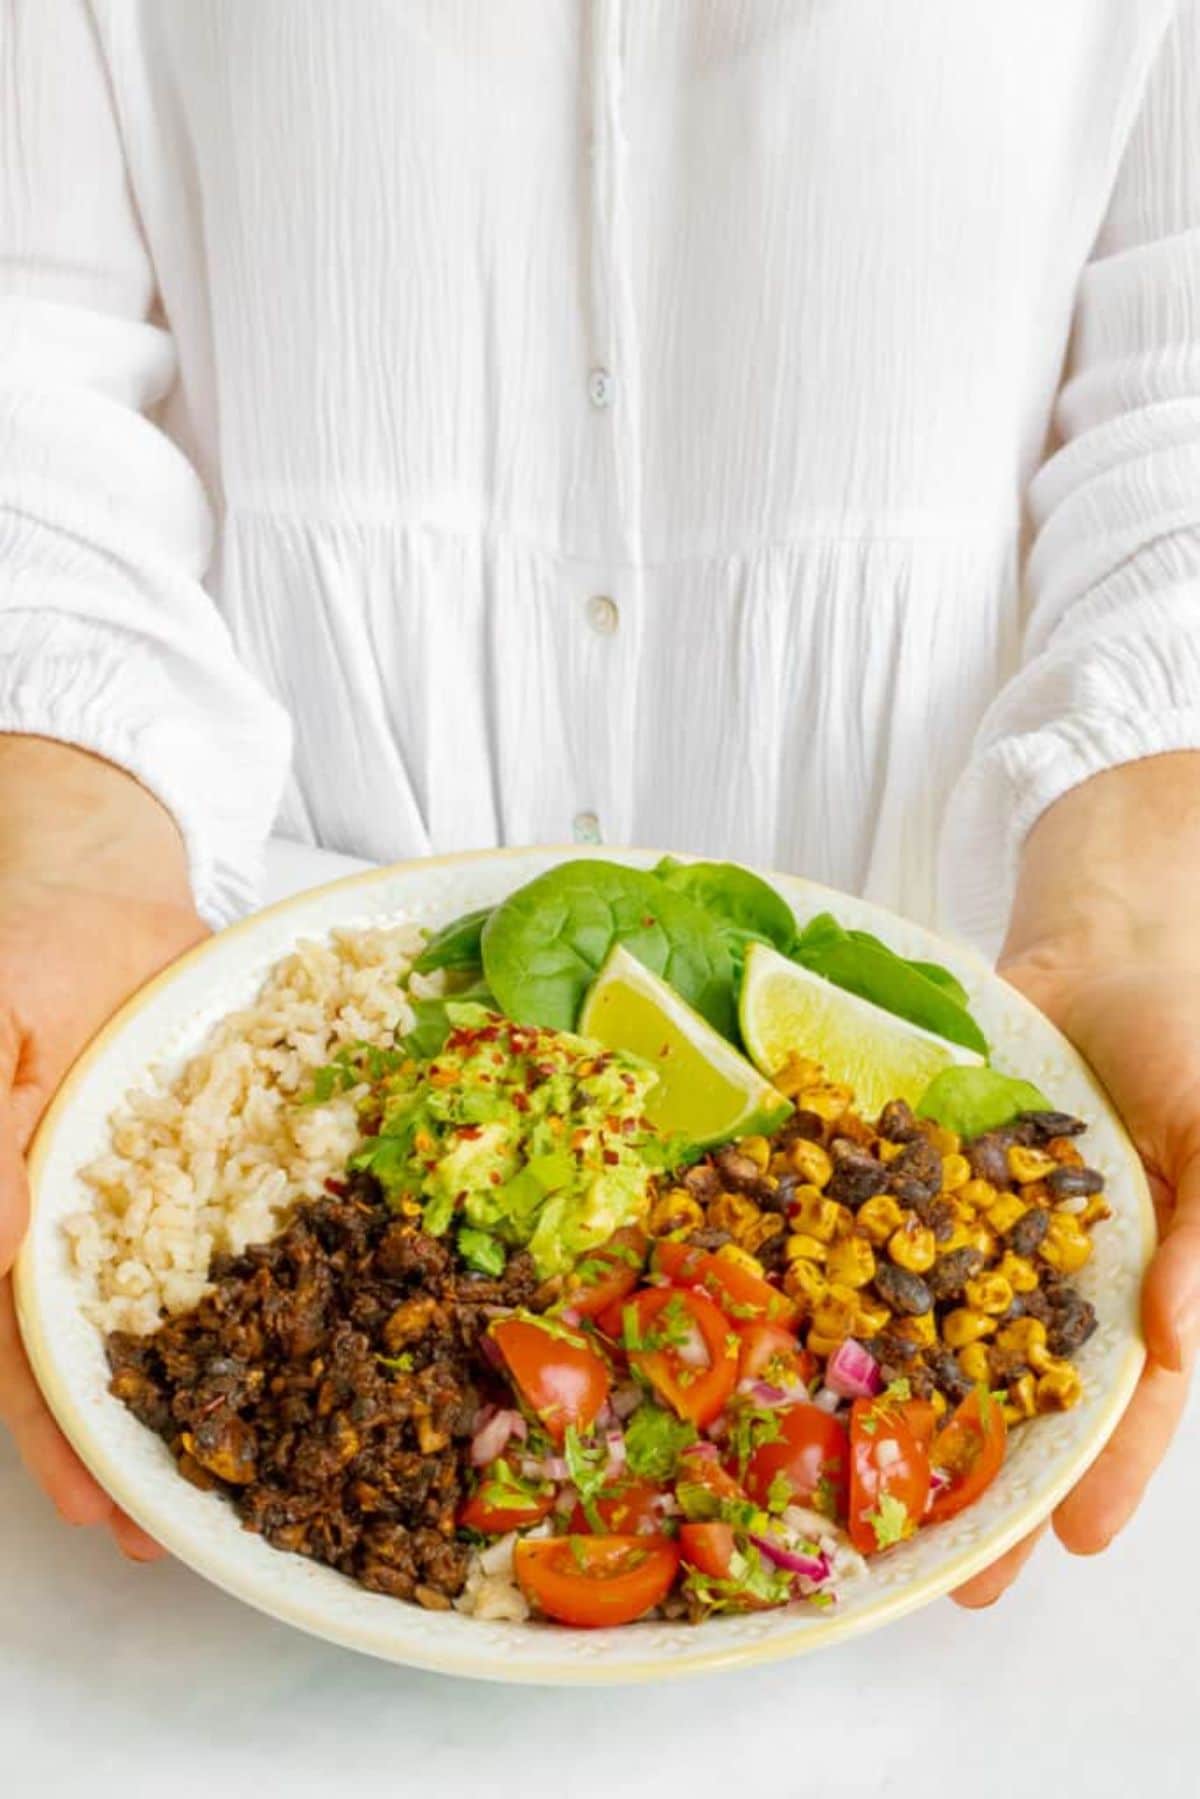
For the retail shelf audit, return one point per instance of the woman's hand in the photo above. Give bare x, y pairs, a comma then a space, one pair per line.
1102, 940
94, 899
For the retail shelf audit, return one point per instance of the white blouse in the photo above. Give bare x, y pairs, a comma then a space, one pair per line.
768, 428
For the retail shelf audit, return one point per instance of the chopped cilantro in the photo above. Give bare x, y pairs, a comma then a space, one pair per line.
890, 1521
397, 1364
750, 1427
825, 1499
481, 1251
898, 1389
631, 1330
578, 1553
822, 1600
751, 1581
654, 1440
779, 1493
587, 1465
503, 1487
869, 1422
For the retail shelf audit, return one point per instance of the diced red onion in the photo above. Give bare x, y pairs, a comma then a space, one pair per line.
812, 1567
852, 1371
937, 1480
554, 1468
492, 1436
703, 1451
693, 1351
765, 1393
887, 1452
828, 1401
566, 1502
570, 1316
625, 1399
616, 1453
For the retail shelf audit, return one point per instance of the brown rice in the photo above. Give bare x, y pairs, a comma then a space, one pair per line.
213, 1158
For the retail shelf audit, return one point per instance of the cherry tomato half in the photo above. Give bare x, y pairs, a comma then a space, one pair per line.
741, 1294
708, 1547
607, 1274
968, 1450
772, 1354
494, 1508
678, 1341
889, 1471
628, 1508
559, 1376
811, 1453
699, 1467
595, 1581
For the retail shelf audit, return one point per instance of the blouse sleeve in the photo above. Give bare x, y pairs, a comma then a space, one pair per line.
1111, 665
107, 637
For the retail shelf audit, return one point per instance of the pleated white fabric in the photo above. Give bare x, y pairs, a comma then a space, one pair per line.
352, 354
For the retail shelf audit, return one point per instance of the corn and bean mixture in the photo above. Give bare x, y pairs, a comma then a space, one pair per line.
950, 1261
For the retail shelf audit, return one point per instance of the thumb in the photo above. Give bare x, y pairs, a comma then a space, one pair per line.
1171, 1301
14, 1190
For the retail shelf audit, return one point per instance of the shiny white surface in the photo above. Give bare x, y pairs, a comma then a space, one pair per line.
1079, 1681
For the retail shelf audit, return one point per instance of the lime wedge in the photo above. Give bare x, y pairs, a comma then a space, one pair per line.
786, 1011
705, 1092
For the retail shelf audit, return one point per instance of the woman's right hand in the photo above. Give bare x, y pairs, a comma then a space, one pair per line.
94, 899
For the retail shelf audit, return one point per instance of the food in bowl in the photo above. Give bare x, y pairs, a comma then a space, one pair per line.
530, 1346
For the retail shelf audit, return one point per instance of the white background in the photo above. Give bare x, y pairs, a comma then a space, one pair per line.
125, 1681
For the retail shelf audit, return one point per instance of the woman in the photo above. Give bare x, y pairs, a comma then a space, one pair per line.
771, 430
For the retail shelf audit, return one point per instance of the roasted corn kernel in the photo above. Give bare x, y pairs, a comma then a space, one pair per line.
1058, 1388
1021, 1394
1004, 1211
764, 1230
1097, 1208
757, 1150
939, 1402
871, 1317
980, 1236
965, 1325
731, 1212
944, 1140
920, 1329
1064, 1152
805, 1282
956, 1172
1020, 1274
1025, 1164
878, 1217
801, 1247
989, 1293
740, 1258
797, 1073
828, 1100
913, 1246
958, 1238
810, 1162
979, 1194
810, 1211
851, 1262
1066, 1245
1026, 1338
973, 1360
822, 1346
886, 1151
674, 1210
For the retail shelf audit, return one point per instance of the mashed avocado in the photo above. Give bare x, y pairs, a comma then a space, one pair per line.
516, 1135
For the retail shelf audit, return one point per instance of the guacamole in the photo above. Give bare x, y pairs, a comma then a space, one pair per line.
515, 1136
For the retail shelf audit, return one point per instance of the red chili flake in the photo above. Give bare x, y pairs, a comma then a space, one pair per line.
648, 921
611, 1156
336, 1187
628, 1126
520, 1100
494, 1177
470, 1131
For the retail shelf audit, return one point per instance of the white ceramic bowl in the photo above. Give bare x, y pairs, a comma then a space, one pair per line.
167, 1021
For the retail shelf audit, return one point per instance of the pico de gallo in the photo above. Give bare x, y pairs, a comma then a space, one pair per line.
662, 1439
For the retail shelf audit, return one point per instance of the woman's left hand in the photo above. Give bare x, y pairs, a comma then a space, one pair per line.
1135, 1016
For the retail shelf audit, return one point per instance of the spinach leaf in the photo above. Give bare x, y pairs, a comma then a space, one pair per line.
543, 947
434, 1020
743, 907
973, 1100
933, 971
456, 945
862, 964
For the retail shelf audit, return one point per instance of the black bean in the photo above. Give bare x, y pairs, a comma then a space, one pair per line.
1053, 1124
1072, 1322
710, 1239
738, 1172
902, 1290
1025, 1237
857, 1175
897, 1122
943, 1366
1037, 1305
988, 1157
702, 1182
918, 1167
1068, 1183
779, 1197
950, 1274
802, 1124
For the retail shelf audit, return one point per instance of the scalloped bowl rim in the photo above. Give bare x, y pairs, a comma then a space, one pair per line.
135, 1467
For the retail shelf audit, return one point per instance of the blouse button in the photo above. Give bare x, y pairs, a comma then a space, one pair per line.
600, 388
586, 827
603, 615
